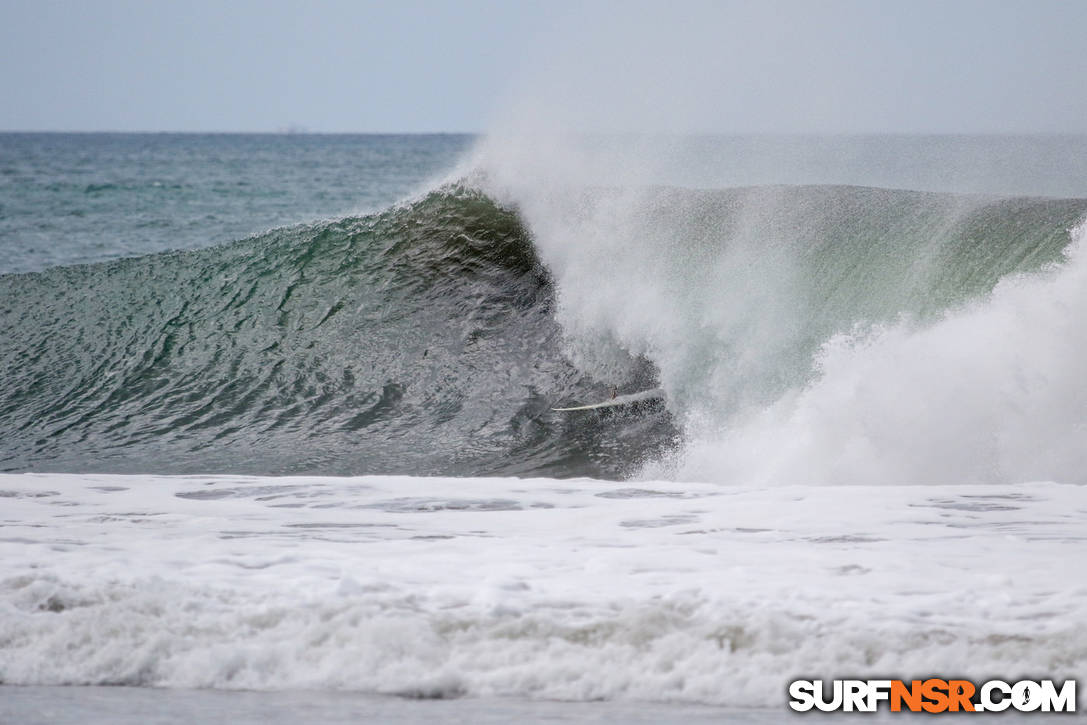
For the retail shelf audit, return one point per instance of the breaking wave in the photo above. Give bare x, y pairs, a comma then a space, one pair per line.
436, 336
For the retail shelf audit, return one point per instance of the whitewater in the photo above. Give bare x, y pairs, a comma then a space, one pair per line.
323, 458
575, 590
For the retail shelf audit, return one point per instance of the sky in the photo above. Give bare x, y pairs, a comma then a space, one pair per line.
682, 66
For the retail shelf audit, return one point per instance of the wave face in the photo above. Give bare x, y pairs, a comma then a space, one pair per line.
434, 338
414, 341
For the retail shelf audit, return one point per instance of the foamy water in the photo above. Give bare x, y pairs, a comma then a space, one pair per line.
801, 335
992, 392
571, 590
821, 335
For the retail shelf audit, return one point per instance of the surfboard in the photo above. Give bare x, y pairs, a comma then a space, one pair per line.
652, 394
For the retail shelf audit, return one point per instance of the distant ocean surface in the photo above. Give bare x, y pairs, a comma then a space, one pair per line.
79, 198
276, 414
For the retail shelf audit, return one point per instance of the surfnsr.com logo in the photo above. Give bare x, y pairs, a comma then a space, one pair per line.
932, 695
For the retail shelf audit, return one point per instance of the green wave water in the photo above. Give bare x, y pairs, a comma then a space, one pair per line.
433, 337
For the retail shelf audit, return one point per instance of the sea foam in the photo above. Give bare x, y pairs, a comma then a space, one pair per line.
572, 590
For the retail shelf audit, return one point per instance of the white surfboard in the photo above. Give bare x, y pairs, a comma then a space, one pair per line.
618, 400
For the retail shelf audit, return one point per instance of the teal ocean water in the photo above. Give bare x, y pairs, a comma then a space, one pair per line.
309, 304
80, 198
277, 414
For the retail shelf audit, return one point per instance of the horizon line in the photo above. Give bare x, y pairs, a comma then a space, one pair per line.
306, 132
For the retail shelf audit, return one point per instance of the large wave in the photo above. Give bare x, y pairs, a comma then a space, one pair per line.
434, 337
827, 333
418, 340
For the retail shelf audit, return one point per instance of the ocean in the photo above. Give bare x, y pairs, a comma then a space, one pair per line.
277, 426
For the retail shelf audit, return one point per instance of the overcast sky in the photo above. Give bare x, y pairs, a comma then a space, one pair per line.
414, 66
